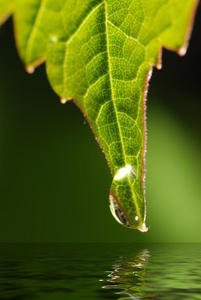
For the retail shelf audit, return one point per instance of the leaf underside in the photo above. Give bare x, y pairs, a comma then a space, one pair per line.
100, 53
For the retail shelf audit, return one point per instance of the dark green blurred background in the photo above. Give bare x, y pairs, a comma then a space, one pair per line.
54, 179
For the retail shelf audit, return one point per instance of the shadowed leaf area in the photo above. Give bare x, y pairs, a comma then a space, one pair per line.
100, 54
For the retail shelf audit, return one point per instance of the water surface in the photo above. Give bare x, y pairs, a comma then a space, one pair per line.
100, 271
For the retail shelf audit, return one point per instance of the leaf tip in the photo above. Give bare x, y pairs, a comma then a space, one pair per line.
30, 67
159, 61
182, 51
143, 228
159, 66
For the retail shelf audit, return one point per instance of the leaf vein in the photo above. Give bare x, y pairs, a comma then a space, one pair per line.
129, 37
115, 108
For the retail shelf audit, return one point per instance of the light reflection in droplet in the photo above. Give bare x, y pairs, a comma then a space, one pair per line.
128, 170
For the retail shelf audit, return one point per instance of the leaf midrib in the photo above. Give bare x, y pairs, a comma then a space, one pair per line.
115, 108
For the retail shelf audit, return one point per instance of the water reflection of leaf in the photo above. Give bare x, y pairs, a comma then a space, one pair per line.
131, 275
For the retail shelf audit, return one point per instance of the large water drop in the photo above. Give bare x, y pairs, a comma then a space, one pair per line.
127, 204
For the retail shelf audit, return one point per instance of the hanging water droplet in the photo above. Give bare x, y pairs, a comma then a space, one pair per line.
30, 69
63, 100
127, 207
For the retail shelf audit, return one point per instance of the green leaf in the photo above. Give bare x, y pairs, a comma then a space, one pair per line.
6, 8
100, 53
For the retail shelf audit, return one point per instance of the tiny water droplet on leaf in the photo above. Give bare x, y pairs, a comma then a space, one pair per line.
30, 70
63, 101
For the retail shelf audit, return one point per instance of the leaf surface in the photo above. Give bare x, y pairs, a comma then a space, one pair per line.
6, 8
100, 53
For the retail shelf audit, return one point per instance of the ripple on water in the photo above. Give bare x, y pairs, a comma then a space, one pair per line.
100, 271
